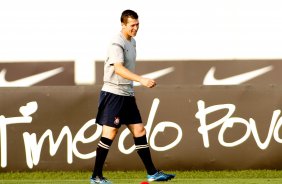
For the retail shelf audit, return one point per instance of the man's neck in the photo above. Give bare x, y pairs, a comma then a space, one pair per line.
126, 36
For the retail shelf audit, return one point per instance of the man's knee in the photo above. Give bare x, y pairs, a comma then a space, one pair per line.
137, 130
109, 132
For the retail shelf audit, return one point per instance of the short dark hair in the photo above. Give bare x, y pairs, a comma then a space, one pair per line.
126, 14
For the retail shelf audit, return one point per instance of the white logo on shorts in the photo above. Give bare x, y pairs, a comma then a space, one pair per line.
116, 122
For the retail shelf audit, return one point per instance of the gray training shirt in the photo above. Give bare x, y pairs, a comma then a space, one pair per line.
124, 51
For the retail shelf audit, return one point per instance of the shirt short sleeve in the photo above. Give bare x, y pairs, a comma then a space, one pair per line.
116, 52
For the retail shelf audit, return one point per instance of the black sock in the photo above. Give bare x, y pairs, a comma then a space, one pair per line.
143, 151
101, 154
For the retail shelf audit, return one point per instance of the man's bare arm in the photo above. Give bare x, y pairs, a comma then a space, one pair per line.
127, 74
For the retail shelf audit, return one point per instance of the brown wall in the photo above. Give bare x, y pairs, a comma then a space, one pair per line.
253, 142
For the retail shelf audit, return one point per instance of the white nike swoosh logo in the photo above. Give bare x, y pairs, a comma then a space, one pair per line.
28, 81
156, 74
236, 79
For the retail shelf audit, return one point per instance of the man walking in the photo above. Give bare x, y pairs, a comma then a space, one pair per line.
117, 103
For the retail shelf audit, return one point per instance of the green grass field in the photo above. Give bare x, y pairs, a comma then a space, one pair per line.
131, 177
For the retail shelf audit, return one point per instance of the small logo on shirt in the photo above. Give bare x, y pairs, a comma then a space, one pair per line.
116, 122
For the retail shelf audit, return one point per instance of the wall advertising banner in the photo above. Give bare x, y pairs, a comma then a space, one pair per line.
189, 127
170, 72
43, 73
207, 72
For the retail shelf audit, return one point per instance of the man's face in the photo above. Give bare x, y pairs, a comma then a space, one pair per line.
131, 28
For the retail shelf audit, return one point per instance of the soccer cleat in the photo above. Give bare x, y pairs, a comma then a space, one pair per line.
160, 176
99, 180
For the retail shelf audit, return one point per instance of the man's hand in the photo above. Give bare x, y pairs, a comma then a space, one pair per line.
150, 83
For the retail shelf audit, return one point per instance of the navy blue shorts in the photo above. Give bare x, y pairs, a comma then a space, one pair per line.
115, 110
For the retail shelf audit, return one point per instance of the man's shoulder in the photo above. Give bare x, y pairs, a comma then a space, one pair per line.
118, 39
